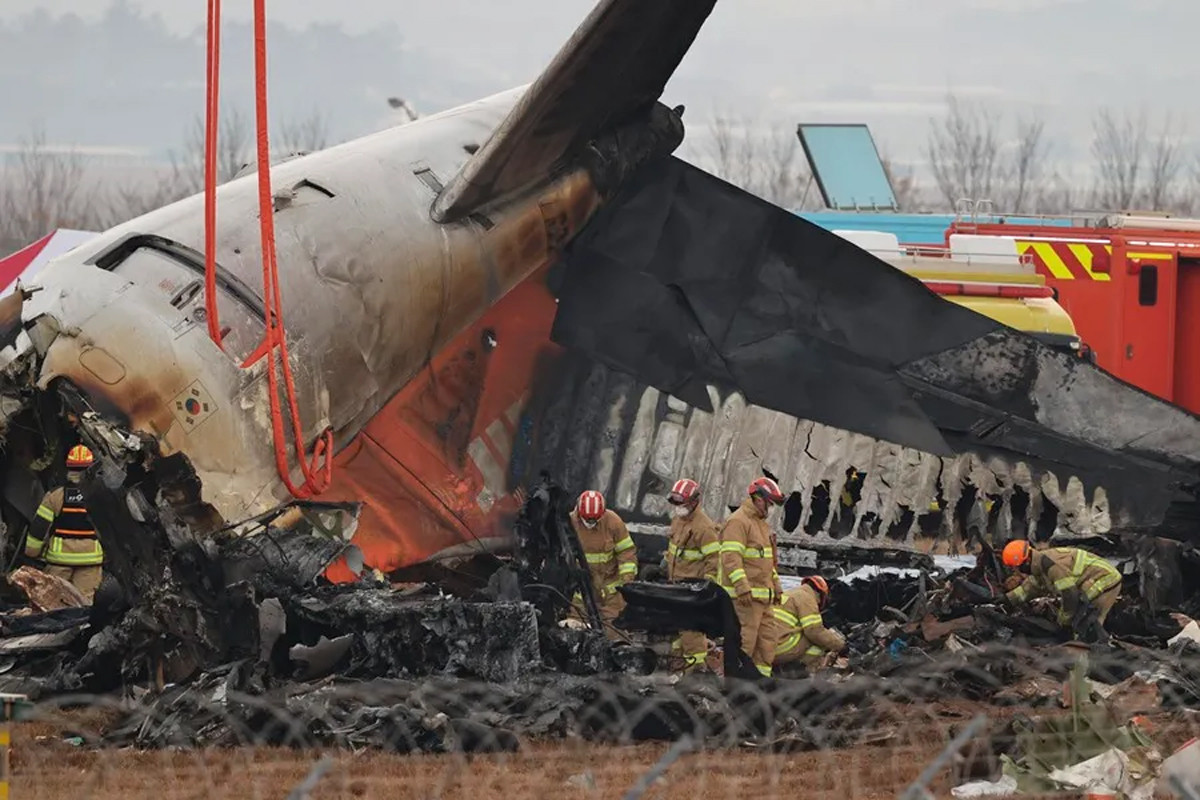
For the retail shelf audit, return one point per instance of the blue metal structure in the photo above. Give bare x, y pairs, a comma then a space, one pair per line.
910, 228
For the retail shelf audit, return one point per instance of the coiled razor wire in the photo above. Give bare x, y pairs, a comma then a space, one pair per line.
845, 736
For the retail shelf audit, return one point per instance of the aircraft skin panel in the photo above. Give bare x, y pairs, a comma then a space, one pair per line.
434, 466
371, 291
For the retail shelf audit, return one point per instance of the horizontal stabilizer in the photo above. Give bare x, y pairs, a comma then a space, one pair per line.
613, 68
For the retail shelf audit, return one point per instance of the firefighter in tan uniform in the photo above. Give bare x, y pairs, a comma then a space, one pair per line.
801, 631
694, 553
1088, 585
63, 536
611, 555
748, 571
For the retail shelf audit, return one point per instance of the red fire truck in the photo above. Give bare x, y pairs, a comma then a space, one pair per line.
1131, 283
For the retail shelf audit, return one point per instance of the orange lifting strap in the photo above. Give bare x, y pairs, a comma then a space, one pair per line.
317, 474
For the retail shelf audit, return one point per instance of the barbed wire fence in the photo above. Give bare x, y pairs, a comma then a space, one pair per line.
1001, 719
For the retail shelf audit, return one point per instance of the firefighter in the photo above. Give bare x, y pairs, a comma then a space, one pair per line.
611, 556
748, 570
693, 553
801, 632
63, 536
1087, 584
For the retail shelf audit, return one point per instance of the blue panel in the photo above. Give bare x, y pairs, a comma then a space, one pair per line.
847, 166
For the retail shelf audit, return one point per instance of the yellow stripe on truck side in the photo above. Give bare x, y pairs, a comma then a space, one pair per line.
1084, 254
1045, 251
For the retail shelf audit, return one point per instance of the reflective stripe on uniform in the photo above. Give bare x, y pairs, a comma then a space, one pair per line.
628, 569
691, 553
809, 620
814, 651
1101, 585
56, 555
45, 513
600, 558
785, 616
761, 592
789, 644
623, 545
738, 574
765, 669
1018, 593
1109, 579
747, 552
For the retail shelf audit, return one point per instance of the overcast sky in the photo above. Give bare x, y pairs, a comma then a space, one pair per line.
889, 63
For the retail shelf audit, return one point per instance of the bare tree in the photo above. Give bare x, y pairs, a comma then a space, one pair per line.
964, 152
904, 185
184, 174
1118, 145
762, 159
972, 159
41, 188
122, 202
305, 135
1057, 194
234, 149
1133, 166
1164, 167
1026, 163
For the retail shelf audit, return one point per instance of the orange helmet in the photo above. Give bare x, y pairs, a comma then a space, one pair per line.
685, 490
79, 457
818, 583
590, 506
1016, 553
766, 488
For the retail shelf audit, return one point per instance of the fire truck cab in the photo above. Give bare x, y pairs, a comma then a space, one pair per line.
1130, 282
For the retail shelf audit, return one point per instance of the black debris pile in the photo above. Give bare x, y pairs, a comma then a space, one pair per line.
178, 608
444, 715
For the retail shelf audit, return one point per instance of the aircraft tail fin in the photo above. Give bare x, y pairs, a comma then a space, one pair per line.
614, 67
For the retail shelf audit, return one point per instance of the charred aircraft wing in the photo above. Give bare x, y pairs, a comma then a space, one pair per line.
686, 280
611, 71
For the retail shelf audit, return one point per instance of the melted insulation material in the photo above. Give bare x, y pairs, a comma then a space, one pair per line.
602, 430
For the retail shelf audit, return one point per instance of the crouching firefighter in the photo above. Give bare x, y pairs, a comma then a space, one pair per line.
748, 571
693, 553
802, 635
1088, 585
62, 536
611, 555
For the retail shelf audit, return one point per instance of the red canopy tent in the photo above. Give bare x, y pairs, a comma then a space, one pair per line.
26, 262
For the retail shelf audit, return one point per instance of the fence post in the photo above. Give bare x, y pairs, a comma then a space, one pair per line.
13, 704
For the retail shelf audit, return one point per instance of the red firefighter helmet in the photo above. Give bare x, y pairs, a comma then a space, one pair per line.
590, 505
766, 488
684, 491
79, 457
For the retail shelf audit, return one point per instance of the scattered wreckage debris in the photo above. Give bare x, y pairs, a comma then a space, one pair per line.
1088, 744
298, 661
46, 592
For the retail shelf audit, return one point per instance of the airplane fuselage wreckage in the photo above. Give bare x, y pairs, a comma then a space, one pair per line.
529, 283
